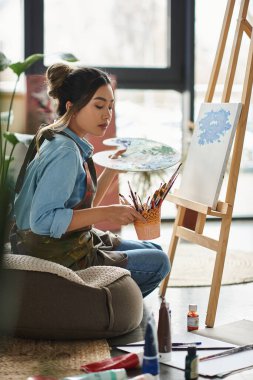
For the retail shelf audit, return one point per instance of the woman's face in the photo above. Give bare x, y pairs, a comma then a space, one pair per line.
95, 117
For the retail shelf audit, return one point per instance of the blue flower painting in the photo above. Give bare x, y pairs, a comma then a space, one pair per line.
213, 126
209, 151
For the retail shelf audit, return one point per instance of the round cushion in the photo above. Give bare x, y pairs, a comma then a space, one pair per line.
49, 301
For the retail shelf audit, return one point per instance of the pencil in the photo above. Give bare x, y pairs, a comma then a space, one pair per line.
146, 208
142, 208
200, 348
167, 186
133, 197
173, 344
178, 348
124, 199
170, 183
228, 352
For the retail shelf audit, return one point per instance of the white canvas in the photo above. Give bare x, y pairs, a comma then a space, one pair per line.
209, 151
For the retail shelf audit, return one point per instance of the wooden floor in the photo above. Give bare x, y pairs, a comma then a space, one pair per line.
235, 302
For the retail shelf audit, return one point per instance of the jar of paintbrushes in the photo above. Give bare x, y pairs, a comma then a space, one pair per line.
150, 209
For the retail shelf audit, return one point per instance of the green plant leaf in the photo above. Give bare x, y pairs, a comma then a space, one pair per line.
20, 67
68, 57
4, 62
11, 138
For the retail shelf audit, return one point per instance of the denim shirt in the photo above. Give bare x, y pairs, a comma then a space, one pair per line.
54, 184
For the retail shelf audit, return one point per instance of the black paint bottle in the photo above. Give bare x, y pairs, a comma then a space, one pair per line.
191, 364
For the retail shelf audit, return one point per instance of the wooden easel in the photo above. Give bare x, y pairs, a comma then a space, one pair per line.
193, 232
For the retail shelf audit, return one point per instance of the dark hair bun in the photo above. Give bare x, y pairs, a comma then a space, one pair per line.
55, 75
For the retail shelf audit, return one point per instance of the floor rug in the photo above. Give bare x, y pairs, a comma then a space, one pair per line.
21, 358
193, 266
239, 332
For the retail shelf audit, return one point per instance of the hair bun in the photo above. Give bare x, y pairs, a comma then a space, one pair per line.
55, 75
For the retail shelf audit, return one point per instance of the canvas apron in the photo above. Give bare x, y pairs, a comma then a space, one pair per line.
78, 249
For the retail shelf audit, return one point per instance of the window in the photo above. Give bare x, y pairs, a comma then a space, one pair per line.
142, 43
11, 36
151, 114
109, 33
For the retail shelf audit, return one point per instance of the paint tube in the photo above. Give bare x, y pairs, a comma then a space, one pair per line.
143, 376
126, 361
150, 357
164, 332
113, 374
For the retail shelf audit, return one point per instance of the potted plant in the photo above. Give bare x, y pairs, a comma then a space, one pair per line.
8, 139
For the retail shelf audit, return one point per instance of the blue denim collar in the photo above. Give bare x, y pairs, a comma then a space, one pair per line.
86, 147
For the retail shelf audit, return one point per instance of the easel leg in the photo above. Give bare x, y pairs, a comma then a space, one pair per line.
172, 248
218, 271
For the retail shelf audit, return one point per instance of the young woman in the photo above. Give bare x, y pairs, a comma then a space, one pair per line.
58, 192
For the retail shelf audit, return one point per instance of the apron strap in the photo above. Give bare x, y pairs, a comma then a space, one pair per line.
30, 154
92, 171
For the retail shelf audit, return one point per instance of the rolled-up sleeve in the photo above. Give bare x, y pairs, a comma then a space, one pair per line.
55, 183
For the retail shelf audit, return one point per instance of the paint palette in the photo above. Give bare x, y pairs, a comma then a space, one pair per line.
141, 155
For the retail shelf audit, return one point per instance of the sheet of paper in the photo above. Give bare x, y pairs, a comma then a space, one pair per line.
208, 368
245, 375
186, 337
238, 332
215, 367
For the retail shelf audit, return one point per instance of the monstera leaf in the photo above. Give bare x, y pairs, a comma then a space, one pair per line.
20, 67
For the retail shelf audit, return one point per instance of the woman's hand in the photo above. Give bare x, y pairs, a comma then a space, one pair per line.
118, 153
123, 214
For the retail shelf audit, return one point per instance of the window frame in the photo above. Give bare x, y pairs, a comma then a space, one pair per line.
173, 77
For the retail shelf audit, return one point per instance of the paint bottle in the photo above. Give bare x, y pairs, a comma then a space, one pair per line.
191, 364
150, 357
113, 374
164, 332
192, 318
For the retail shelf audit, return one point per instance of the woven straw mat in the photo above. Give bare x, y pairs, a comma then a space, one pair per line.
21, 358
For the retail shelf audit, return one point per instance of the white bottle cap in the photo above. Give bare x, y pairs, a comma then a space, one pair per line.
193, 307
164, 357
144, 376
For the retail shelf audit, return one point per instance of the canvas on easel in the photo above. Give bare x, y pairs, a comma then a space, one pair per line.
198, 208
209, 151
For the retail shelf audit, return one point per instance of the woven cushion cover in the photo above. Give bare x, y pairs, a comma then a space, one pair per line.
98, 302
